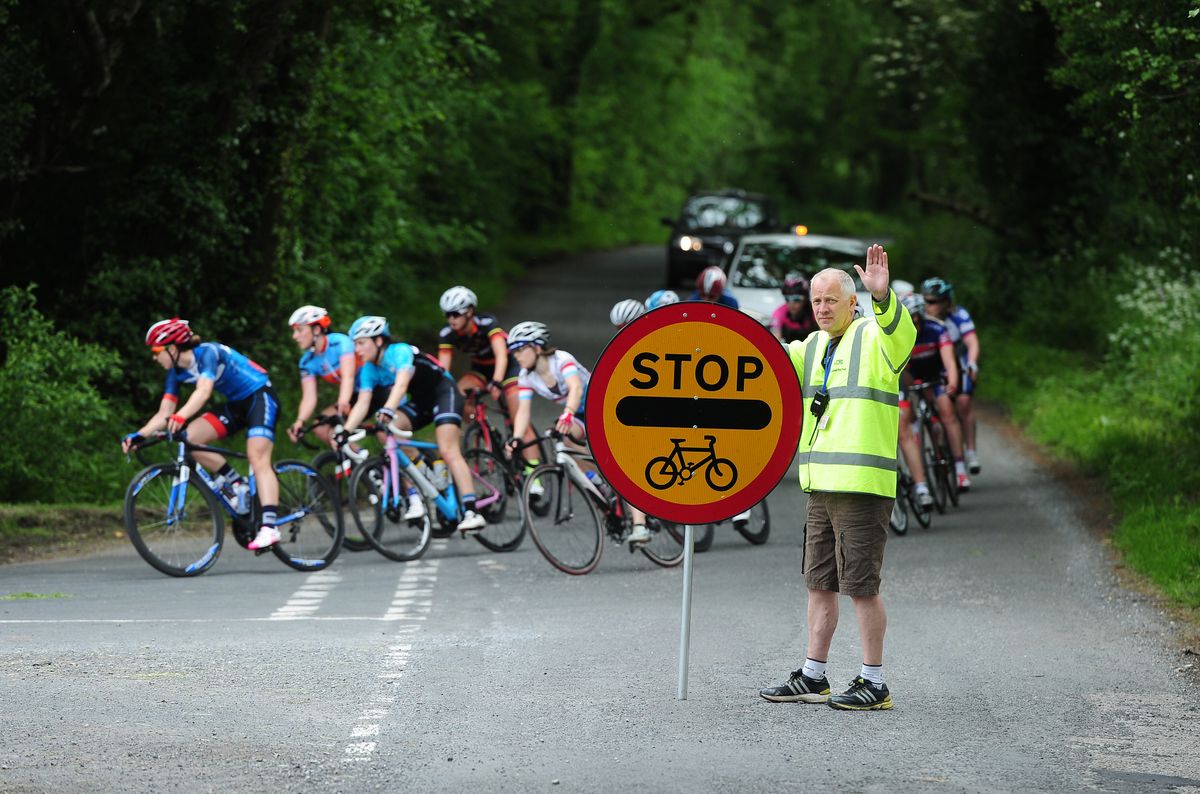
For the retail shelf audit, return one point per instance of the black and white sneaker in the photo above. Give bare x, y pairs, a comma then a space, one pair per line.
863, 696
798, 689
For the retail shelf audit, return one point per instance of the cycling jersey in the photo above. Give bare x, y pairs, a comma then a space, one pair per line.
789, 327
562, 365
725, 300
234, 376
327, 364
475, 343
925, 363
960, 325
427, 374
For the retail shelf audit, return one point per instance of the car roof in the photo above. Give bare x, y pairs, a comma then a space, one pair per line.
729, 192
845, 245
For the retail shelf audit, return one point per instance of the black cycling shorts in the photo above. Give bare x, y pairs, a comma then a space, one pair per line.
258, 412
444, 407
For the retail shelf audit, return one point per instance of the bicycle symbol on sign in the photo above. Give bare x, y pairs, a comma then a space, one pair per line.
667, 470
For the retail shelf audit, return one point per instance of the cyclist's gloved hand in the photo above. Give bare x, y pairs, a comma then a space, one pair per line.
130, 440
565, 421
294, 429
511, 446
341, 436
496, 388
176, 422
385, 415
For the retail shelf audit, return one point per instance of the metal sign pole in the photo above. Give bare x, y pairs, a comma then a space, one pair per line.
685, 625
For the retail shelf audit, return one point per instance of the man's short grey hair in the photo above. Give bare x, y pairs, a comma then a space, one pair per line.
841, 276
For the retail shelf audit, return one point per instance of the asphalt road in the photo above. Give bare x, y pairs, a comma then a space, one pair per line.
1016, 660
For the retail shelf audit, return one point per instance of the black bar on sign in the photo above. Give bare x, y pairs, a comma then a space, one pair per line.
703, 412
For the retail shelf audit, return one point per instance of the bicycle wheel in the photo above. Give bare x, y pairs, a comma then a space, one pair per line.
758, 528
930, 459
702, 535
474, 437
949, 475
378, 509
329, 467
664, 547
570, 536
498, 500
924, 515
661, 473
899, 521
175, 523
309, 517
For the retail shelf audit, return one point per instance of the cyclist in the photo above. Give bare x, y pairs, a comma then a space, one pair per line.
662, 297
399, 370
908, 442
250, 402
626, 311
560, 378
902, 288
329, 356
939, 298
710, 286
794, 319
932, 360
479, 335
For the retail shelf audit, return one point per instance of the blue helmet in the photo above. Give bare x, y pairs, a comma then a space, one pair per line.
662, 297
369, 326
938, 288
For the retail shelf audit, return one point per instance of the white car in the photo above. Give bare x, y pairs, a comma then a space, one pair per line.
762, 261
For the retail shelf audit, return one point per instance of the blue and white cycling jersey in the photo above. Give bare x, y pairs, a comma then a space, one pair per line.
327, 365
960, 325
233, 375
427, 374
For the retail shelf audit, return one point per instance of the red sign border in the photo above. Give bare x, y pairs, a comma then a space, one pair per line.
776, 357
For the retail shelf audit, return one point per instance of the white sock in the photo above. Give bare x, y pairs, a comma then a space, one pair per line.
959, 468
814, 669
873, 673
921, 487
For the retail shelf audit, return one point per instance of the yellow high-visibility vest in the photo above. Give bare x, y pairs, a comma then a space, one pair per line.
853, 448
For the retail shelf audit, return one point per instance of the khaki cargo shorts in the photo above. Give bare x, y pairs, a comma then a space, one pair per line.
844, 535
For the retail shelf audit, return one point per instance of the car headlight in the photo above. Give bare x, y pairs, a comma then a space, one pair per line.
690, 243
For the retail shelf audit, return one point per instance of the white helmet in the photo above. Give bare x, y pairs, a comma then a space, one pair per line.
902, 288
458, 300
310, 315
526, 333
369, 326
662, 297
626, 311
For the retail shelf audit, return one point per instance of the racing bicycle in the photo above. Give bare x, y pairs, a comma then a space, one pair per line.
581, 508
175, 512
379, 498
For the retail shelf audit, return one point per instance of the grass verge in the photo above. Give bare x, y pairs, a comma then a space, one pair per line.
32, 531
1067, 403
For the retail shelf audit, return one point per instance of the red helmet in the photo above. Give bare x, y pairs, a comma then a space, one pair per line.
711, 282
168, 332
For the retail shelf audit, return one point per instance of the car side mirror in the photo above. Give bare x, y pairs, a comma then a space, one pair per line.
667, 222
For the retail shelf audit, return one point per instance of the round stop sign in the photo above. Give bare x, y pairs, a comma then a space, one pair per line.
694, 412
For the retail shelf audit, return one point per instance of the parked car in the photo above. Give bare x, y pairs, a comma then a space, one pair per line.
761, 262
709, 227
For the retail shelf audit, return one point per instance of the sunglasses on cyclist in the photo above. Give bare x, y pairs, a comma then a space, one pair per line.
453, 314
156, 349
514, 347
929, 299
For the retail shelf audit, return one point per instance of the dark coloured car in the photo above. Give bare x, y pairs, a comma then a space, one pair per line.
709, 227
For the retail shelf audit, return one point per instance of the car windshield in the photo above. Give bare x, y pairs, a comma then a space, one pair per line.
712, 212
764, 265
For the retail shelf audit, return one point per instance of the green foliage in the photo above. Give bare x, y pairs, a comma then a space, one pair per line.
53, 410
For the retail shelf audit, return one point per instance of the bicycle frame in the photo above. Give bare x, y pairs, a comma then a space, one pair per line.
446, 501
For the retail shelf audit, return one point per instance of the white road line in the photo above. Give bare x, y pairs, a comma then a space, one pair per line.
308, 596
412, 600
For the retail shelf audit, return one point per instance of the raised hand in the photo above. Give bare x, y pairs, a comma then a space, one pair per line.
876, 277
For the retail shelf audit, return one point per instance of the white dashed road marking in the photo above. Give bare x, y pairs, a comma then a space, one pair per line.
308, 597
411, 603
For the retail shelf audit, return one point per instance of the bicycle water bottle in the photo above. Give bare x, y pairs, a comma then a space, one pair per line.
601, 485
241, 497
441, 475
